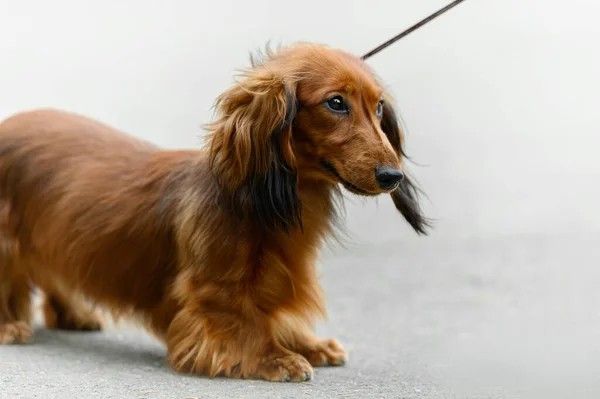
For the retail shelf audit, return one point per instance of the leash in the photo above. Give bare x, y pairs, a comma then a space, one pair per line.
411, 29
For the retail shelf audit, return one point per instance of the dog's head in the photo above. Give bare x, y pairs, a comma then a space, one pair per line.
312, 112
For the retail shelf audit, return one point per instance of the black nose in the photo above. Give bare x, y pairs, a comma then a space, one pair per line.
388, 178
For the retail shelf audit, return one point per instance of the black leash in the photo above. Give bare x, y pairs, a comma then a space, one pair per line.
411, 29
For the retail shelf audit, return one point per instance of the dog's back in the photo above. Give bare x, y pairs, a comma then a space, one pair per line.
80, 208
42, 153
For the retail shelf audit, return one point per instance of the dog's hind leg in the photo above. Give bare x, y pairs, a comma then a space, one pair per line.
15, 296
68, 312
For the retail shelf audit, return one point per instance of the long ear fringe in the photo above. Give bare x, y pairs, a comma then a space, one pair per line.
250, 150
406, 196
406, 200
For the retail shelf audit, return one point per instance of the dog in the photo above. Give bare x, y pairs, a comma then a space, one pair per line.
212, 250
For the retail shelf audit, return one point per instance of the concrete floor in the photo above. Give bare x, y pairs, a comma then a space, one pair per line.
501, 104
511, 317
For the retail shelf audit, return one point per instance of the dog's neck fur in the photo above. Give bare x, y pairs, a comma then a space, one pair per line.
277, 259
318, 206
299, 249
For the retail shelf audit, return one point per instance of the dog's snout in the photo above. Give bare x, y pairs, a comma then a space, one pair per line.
388, 178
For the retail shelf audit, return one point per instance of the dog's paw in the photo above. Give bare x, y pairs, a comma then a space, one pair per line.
91, 321
288, 368
67, 319
327, 352
18, 332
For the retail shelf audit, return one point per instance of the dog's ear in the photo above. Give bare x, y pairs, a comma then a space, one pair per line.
406, 196
251, 151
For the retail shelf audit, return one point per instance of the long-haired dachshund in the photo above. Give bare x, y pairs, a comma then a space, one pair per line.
212, 250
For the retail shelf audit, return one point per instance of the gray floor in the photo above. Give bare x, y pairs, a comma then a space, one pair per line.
511, 317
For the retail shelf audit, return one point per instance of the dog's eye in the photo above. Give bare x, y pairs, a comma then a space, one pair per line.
338, 105
379, 112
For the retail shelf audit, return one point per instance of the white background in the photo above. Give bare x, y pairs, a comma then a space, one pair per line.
501, 97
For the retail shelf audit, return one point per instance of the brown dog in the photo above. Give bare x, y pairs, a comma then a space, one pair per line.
213, 250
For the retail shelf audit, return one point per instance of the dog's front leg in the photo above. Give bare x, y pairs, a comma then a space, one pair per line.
213, 334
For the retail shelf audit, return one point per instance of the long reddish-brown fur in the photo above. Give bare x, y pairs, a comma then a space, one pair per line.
213, 250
